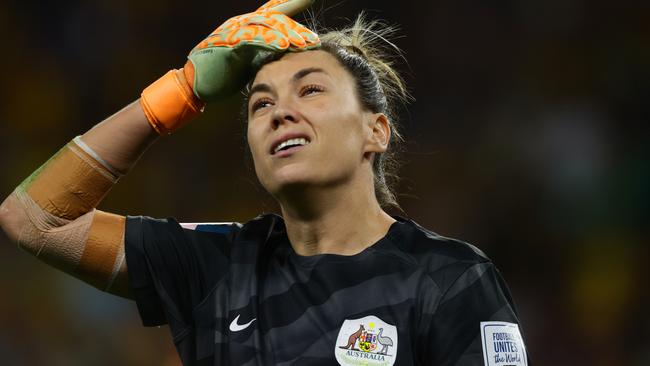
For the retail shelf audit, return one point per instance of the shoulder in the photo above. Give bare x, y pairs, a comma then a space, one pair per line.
444, 259
168, 237
148, 226
432, 249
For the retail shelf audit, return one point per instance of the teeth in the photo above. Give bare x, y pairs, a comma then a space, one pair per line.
299, 141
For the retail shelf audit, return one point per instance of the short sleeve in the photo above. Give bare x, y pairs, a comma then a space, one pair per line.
463, 323
171, 269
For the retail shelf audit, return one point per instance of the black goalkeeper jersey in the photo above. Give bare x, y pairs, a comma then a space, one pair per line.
237, 294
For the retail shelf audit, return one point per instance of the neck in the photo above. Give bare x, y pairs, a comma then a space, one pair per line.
341, 220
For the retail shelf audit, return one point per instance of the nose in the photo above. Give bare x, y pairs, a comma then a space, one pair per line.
283, 114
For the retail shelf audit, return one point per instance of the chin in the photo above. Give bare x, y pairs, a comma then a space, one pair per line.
291, 178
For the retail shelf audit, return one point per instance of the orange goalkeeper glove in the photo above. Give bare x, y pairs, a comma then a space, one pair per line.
222, 63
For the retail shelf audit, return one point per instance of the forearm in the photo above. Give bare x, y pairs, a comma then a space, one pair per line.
121, 138
79, 175
52, 215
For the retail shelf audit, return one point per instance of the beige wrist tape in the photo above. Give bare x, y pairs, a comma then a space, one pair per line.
62, 227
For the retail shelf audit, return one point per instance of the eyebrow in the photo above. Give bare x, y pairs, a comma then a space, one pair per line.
262, 87
304, 72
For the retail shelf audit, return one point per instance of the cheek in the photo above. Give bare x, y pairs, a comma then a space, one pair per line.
347, 133
254, 142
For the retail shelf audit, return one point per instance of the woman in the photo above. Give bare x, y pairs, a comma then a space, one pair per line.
335, 278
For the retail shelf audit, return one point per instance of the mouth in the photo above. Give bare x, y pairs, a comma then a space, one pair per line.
288, 145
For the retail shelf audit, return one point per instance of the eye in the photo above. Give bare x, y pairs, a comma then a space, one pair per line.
310, 89
261, 103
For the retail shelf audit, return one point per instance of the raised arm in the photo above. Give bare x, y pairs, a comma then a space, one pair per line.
53, 215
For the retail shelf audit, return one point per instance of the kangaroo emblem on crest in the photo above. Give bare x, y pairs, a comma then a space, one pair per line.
353, 338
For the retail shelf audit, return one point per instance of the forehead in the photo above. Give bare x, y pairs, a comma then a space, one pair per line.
292, 62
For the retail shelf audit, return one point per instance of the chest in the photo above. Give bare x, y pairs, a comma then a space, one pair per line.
332, 313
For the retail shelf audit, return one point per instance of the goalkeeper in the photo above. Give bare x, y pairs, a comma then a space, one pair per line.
334, 279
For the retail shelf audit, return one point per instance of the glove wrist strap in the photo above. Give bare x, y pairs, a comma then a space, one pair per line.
169, 102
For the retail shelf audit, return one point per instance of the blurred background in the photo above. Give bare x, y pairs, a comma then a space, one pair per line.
529, 137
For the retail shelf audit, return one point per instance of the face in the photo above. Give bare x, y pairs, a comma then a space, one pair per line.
306, 126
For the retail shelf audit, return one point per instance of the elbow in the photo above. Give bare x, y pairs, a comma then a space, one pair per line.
11, 217
5, 213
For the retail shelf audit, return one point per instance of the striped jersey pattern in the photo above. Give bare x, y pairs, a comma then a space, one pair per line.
236, 294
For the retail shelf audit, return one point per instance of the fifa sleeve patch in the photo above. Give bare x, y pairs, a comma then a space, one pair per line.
502, 344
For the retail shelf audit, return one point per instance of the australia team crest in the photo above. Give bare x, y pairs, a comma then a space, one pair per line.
366, 341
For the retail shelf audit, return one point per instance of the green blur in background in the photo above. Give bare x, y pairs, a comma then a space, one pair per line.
529, 138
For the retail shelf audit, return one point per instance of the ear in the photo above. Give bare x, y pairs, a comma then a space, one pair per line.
379, 133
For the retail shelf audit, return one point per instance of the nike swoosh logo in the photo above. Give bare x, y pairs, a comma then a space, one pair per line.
235, 327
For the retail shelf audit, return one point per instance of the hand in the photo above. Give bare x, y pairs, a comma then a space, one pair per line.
227, 58
222, 63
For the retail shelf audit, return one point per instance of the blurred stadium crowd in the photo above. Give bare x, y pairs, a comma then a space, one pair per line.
529, 138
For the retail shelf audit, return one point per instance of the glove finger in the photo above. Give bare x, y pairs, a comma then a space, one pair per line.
282, 23
298, 35
237, 22
274, 38
270, 38
288, 7
248, 34
311, 38
234, 22
274, 27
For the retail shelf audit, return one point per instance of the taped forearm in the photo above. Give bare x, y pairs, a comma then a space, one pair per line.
57, 220
71, 183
